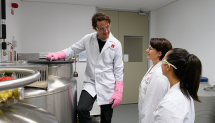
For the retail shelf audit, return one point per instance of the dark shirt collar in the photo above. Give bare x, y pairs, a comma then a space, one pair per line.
100, 38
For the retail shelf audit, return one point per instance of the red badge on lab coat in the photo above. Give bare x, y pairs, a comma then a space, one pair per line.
112, 46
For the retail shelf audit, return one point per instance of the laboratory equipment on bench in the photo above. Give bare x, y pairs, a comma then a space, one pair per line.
205, 111
55, 90
61, 95
9, 51
75, 74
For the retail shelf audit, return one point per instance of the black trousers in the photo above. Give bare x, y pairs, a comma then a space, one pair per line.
85, 105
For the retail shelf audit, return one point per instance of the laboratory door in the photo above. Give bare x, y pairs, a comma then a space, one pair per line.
131, 29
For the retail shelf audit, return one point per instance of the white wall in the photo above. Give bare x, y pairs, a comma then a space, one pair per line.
49, 27
189, 24
152, 28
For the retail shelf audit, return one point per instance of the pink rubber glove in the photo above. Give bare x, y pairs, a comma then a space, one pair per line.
117, 95
56, 56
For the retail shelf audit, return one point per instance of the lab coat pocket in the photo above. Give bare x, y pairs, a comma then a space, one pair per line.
109, 56
108, 76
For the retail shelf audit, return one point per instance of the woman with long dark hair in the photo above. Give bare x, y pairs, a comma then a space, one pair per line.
183, 71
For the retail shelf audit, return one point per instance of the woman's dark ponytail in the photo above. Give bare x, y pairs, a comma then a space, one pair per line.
189, 69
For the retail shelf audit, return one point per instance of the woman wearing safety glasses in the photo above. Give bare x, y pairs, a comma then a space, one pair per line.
183, 71
154, 84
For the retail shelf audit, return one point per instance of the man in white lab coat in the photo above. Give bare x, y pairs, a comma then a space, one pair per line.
103, 79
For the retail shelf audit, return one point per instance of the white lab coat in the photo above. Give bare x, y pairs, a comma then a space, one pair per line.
175, 108
152, 89
102, 69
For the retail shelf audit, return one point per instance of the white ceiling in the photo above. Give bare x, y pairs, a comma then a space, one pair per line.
144, 5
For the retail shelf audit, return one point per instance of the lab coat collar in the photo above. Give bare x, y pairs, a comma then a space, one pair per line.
95, 35
108, 43
111, 38
155, 67
175, 87
95, 41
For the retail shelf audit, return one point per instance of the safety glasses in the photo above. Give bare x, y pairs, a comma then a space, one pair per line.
150, 48
166, 62
103, 29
